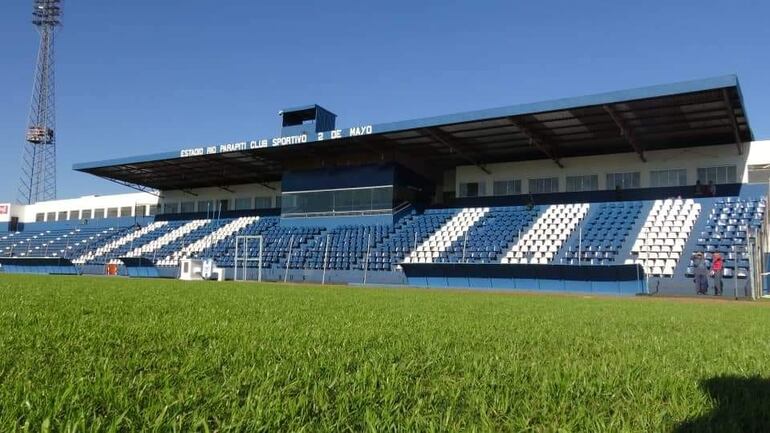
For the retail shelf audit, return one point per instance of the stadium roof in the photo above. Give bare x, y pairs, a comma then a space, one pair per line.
694, 113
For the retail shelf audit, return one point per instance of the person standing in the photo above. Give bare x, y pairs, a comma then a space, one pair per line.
717, 271
700, 273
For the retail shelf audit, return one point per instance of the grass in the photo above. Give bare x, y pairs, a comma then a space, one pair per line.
98, 354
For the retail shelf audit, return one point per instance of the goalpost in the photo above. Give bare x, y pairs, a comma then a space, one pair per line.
243, 259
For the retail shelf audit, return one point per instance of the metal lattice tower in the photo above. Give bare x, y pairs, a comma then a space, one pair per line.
38, 177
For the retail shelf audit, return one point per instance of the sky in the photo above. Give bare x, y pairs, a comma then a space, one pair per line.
146, 76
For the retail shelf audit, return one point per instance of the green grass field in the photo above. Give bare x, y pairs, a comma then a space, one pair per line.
99, 354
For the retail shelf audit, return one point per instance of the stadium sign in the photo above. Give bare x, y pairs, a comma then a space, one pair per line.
355, 131
4, 209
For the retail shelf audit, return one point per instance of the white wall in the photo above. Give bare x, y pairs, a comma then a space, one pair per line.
690, 159
271, 190
27, 213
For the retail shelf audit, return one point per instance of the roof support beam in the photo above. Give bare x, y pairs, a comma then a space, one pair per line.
547, 148
148, 190
625, 131
264, 184
733, 121
450, 142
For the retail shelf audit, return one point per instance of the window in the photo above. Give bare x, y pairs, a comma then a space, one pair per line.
39, 217
62, 216
472, 189
336, 201
125, 211
153, 210
278, 201
140, 210
759, 173
544, 185
98, 214
206, 206
187, 207
263, 203
112, 212
723, 174
74, 215
623, 180
583, 183
506, 187
85, 214
243, 203
50, 216
169, 208
659, 178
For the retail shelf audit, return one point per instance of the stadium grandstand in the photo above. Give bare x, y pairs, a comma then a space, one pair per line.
609, 193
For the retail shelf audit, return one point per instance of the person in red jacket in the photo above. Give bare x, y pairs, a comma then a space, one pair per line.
717, 270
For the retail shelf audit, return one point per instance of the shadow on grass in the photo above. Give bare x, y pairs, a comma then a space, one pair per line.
742, 405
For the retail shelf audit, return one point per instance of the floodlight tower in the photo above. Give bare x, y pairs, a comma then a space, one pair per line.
38, 177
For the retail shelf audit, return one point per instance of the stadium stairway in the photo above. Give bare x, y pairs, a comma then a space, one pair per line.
455, 228
541, 243
223, 251
208, 241
602, 237
726, 227
53, 243
111, 246
487, 239
157, 244
411, 233
661, 241
661, 235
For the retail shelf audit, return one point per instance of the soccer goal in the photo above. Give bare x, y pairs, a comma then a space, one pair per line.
248, 254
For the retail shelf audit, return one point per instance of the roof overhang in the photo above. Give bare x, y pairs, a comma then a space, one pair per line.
694, 113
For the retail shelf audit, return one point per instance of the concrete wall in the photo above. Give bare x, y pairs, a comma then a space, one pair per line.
28, 213
757, 152
271, 190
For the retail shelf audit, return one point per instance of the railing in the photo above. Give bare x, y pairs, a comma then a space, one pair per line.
401, 208
369, 212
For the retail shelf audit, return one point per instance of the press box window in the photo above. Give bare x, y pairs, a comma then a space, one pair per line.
205, 206
723, 174
85, 214
98, 213
187, 207
62, 216
74, 215
263, 202
39, 217
506, 187
50, 216
582, 183
544, 185
169, 208
125, 211
338, 201
112, 212
623, 180
661, 178
243, 203
472, 189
